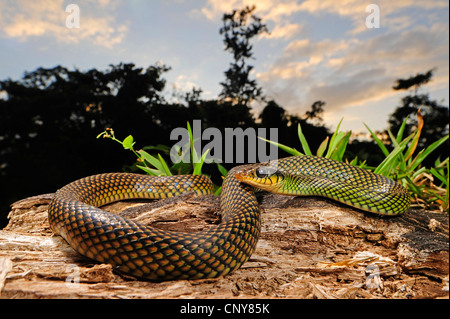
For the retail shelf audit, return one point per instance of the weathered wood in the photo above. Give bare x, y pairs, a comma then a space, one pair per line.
309, 248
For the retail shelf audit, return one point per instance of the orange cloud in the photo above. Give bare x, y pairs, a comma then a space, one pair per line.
24, 19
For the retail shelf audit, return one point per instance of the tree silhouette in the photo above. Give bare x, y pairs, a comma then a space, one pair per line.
316, 111
436, 116
239, 27
50, 118
414, 81
275, 116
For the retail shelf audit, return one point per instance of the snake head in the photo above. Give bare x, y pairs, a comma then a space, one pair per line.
264, 177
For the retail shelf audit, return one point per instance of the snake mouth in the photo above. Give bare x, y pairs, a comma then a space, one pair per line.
243, 175
269, 180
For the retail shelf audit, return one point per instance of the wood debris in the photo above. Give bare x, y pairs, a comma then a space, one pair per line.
309, 248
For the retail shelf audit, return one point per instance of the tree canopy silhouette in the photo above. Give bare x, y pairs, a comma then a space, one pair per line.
239, 27
436, 116
414, 81
50, 118
316, 111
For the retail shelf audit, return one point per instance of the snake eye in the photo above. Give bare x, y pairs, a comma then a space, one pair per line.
264, 171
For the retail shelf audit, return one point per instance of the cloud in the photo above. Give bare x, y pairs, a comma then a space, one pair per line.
185, 83
355, 11
364, 86
269, 10
357, 7
351, 72
285, 31
23, 20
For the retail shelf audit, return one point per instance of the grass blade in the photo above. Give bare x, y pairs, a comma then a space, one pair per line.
222, 169
153, 161
341, 145
198, 166
439, 176
378, 141
401, 130
333, 141
322, 147
424, 153
164, 165
194, 154
386, 167
285, 148
303, 141
150, 171
415, 140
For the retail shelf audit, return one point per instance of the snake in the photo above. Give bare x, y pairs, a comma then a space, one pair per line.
154, 254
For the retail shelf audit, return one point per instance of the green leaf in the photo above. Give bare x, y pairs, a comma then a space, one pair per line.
150, 171
386, 167
194, 154
363, 165
285, 148
164, 165
161, 148
401, 130
198, 166
425, 152
333, 140
417, 173
218, 191
341, 145
400, 158
152, 160
128, 142
412, 187
322, 147
222, 169
378, 141
392, 137
439, 176
354, 161
303, 141
413, 145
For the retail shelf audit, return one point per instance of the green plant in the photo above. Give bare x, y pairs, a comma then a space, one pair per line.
160, 167
429, 187
401, 165
156, 165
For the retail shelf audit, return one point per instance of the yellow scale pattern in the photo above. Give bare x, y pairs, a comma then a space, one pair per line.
155, 254
342, 182
147, 252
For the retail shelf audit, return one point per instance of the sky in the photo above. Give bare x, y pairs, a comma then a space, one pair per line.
328, 50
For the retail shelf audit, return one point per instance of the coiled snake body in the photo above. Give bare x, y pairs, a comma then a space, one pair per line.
155, 254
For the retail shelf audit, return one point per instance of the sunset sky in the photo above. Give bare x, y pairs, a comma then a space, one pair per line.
317, 50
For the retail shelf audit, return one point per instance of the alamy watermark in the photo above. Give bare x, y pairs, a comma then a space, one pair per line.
230, 148
373, 19
73, 19
73, 279
373, 280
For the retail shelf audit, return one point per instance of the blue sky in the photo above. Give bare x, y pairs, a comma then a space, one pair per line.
317, 50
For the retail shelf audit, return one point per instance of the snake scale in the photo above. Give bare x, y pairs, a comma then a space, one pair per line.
155, 254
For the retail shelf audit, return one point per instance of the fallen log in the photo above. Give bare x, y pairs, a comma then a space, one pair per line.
309, 248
